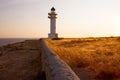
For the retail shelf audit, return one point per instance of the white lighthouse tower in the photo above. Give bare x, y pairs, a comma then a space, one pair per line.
52, 17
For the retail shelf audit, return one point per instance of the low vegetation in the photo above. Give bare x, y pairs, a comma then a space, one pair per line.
100, 56
21, 61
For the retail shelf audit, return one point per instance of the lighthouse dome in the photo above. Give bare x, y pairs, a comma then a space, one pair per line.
52, 9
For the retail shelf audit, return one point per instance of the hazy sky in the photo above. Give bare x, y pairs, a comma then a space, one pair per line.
76, 18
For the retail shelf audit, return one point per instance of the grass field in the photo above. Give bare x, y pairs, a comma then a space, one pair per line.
100, 56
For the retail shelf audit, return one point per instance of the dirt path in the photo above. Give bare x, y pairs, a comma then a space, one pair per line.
21, 61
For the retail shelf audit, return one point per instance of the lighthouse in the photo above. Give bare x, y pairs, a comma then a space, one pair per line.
52, 17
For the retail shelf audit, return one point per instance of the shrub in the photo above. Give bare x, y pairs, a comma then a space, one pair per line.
57, 38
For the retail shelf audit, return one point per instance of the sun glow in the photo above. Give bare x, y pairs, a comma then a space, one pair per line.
117, 26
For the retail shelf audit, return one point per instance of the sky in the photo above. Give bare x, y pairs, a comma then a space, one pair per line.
75, 19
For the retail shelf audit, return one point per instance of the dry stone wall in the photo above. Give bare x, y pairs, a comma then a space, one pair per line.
53, 67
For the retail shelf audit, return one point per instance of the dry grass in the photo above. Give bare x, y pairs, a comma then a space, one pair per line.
101, 56
21, 61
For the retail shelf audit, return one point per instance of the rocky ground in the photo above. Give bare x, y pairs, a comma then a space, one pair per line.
20, 61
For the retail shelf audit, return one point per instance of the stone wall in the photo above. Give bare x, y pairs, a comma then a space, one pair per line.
53, 67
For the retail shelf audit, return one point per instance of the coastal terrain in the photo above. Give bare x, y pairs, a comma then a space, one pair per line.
20, 61
90, 58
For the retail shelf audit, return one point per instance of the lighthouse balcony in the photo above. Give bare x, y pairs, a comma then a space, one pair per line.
52, 17
52, 13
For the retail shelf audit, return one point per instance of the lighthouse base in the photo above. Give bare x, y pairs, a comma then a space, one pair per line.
52, 35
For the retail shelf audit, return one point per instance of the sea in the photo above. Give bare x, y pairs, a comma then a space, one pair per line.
5, 41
